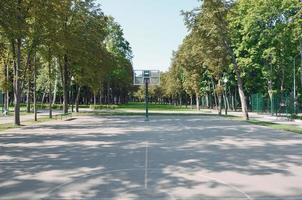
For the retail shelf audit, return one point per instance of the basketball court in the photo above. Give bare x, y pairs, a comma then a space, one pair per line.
168, 157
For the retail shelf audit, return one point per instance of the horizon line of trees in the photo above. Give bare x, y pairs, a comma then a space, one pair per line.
65, 51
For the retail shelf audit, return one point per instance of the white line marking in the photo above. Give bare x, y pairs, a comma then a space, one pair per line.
230, 186
146, 166
58, 187
216, 179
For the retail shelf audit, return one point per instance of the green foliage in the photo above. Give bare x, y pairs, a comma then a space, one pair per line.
252, 43
266, 40
64, 40
284, 127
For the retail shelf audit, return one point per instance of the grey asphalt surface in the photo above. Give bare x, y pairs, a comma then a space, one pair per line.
170, 157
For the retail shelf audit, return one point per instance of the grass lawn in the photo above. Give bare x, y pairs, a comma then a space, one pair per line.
4, 127
41, 119
141, 106
22, 113
284, 127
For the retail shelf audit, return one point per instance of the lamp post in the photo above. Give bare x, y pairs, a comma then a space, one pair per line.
270, 85
71, 88
110, 97
225, 80
294, 61
270, 93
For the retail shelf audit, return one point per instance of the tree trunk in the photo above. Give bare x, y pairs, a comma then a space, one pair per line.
207, 101
115, 100
54, 97
186, 100
235, 100
101, 97
225, 104
239, 82
35, 90
17, 92
233, 103
65, 85
6, 98
50, 87
106, 98
108, 94
7, 101
282, 81
191, 101
301, 58
227, 101
222, 24
28, 93
55, 90
94, 99
214, 94
71, 97
78, 99
270, 92
197, 102
180, 101
28, 97
242, 97
219, 104
42, 100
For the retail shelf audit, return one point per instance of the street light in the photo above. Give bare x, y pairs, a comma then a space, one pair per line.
72, 99
294, 60
225, 80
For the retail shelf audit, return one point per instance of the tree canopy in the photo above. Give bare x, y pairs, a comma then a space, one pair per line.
236, 49
70, 47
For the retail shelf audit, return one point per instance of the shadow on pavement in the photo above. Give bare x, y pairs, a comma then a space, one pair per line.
167, 158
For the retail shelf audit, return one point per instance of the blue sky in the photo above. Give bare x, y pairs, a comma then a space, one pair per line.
154, 28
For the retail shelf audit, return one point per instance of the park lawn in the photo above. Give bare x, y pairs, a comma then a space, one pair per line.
153, 106
128, 106
4, 127
284, 127
22, 113
41, 119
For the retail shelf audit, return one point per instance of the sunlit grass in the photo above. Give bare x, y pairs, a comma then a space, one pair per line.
42, 119
284, 127
141, 106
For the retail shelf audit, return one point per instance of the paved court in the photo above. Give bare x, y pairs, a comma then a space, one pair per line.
170, 157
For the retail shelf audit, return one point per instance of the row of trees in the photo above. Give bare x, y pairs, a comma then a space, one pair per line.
51, 48
237, 48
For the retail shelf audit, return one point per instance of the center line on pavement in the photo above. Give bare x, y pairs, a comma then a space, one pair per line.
146, 166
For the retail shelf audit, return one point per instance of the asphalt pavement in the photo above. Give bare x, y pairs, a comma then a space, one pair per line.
169, 157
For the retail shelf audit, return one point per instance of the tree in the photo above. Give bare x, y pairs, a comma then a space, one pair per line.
213, 18
60, 38
14, 22
266, 43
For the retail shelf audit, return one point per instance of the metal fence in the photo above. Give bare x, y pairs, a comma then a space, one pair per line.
279, 104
